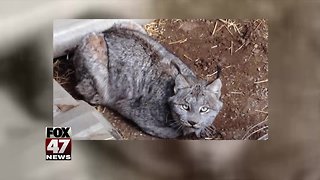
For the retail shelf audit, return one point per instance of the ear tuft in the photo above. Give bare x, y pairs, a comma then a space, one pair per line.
215, 87
180, 83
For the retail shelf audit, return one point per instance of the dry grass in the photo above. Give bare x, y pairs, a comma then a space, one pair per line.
214, 29
179, 41
100, 109
187, 57
156, 28
260, 127
231, 24
61, 75
259, 82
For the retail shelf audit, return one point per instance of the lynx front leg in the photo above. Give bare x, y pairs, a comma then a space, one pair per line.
162, 132
146, 118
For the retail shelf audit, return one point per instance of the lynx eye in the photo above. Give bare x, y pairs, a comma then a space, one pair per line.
204, 109
185, 107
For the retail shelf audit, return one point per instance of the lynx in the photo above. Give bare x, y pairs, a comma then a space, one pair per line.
128, 71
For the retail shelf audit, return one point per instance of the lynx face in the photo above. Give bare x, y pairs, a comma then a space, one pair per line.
195, 104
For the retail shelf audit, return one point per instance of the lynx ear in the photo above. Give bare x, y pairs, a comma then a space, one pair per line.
215, 87
180, 83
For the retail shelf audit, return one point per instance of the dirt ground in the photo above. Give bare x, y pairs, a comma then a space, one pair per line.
240, 47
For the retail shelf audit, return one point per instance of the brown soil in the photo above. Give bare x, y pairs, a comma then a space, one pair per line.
240, 47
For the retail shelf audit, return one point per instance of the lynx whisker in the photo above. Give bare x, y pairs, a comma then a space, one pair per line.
208, 132
180, 128
174, 124
211, 128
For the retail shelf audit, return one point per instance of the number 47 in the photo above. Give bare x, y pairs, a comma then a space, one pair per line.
54, 145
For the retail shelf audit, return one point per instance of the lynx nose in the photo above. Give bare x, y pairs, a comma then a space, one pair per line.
192, 123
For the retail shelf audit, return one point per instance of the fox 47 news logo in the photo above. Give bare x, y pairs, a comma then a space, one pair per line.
58, 143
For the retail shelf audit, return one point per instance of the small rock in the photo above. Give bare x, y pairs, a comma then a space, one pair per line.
223, 134
256, 51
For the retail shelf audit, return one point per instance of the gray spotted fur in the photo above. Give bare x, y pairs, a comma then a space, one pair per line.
129, 72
